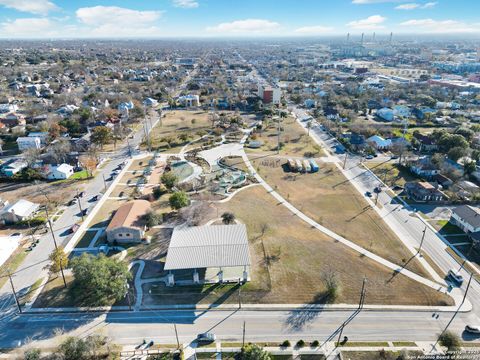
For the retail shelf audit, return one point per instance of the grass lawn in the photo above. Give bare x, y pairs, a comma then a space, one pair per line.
12, 263
378, 355
390, 173
86, 239
404, 343
176, 123
293, 136
80, 175
288, 262
336, 204
54, 293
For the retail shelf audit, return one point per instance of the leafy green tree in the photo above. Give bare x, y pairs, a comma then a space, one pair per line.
469, 167
72, 126
73, 348
228, 218
32, 354
169, 179
449, 141
153, 219
450, 340
255, 352
179, 200
99, 280
456, 153
101, 135
59, 260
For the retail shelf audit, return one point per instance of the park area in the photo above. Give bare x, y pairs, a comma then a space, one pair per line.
289, 262
333, 202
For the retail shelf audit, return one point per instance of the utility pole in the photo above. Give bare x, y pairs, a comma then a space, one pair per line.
423, 238
176, 335
466, 290
14, 293
278, 135
80, 205
376, 197
345, 160
362, 294
340, 333
104, 182
129, 148
243, 336
239, 294
50, 226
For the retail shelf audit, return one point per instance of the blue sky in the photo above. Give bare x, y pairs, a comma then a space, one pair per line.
235, 18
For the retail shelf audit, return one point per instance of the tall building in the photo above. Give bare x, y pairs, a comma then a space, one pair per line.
269, 95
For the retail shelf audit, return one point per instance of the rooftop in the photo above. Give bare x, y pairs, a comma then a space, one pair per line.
129, 214
208, 246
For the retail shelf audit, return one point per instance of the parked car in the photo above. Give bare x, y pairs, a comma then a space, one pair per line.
377, 190
73, 201
368, 194
206, 337
95, 198
81, 194
369, 157
474, 329
455, 277
74, 228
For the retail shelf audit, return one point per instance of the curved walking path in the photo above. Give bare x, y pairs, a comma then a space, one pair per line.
350, 244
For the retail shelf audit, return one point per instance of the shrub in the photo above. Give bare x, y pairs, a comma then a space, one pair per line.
153, 219
179, 200
450, 340
286, 343
32, 354
300, 343
228, 218
169, 179
315, 343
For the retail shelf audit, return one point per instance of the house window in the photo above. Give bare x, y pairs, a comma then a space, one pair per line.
127, 235
120, 235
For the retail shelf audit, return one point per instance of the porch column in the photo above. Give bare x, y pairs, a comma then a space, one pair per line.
171, 279
196, 278
245, 274
220, 275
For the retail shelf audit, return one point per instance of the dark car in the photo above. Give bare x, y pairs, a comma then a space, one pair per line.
206, 337
81, 194
368, 194
378, 189
95, 198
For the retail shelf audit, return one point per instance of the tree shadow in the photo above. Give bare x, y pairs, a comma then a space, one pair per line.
299, 318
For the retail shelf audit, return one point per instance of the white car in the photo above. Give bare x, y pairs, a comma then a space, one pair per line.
474, 329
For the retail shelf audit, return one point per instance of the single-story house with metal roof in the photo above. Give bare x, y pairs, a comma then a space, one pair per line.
210, 254
21, 210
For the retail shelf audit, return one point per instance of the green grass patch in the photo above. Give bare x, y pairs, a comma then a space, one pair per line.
80, 175
364, 344
404, 343
11, 264
86, 239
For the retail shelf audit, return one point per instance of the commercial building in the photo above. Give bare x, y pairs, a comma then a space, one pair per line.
212, 254
269, 95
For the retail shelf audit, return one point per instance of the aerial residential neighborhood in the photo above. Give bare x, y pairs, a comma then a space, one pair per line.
258, 179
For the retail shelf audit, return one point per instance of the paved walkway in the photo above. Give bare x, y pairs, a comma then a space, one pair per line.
350, 244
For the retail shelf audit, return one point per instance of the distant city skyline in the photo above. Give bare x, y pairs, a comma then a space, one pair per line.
230, 18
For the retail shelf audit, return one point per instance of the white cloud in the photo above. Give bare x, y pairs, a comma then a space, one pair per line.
40, 7
429, 5
412, 6
313, 30
440, 26
409, 6
362, 2
28, 28
245, 26
373, 22
186, 4
113, 21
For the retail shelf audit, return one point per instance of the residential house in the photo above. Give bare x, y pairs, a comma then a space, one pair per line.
310, 103
422, 112
424, 191
424, 167
213, 254
379, 142
60, 172
27, 143
21, 210
442, 181
385, 114
13, 119
467, 218
13, 166
189, 100
150, 102
427, 143
8, 108
127, 225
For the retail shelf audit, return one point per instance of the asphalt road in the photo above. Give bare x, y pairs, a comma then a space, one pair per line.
132, 328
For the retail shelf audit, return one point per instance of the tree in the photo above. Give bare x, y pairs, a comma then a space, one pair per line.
332, 286
179, 200
59, 149
55, 131
469, 167
100, 280
153, 219
254, 352
101, 135
32, 354
450, 340
456, 153
89, 163
73, 348
169, 179
59, 260
228, 218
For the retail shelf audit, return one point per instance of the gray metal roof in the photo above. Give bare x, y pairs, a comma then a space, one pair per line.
208, 246
468, 214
